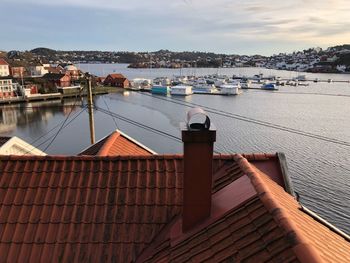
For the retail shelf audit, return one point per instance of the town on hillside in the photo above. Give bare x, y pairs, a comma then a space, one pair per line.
331, 60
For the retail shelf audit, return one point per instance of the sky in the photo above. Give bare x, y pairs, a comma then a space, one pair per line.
221, 26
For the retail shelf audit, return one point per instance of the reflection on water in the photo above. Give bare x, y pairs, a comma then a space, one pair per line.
33, 118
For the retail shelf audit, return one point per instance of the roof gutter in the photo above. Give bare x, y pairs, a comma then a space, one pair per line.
324, 222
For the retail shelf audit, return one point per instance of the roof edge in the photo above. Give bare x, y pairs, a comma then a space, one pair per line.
136, 142
23, 145
300, 243
108, 144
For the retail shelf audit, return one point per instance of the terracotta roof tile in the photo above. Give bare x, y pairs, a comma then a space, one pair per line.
117, 143
3, 62
122, 209
270, 227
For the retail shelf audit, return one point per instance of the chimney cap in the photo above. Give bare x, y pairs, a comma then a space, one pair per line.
193, 120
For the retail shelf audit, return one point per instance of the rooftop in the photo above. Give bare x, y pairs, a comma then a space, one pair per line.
127, 208
3, 62
117, 143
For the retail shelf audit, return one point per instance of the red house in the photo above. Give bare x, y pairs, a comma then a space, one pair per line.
116, 80
18, 72
58, 79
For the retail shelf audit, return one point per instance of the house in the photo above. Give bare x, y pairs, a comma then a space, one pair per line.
8, 89
116, 80
72, 71
4, 68
30, 89
38, 70
16, 146
57, 79
18, 72
117, 143
56, 70
193, 207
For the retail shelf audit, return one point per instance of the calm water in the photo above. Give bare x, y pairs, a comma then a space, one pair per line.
320, 170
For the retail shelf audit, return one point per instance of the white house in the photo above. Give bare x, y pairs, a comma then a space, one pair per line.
7, 88
16, 146
38, 70
4, 68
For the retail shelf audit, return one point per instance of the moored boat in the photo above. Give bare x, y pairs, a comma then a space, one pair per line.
181, 90
204, 88
269, 86
229, 89
160, 89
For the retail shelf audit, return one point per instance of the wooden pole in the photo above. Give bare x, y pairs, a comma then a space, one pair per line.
91, 112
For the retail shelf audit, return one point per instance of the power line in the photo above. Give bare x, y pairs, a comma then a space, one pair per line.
76, 116
253, 121
303, 93
115, 122
60, 129
143, 126
48, 132
165, 134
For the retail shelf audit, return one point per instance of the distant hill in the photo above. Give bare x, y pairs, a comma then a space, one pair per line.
42, 51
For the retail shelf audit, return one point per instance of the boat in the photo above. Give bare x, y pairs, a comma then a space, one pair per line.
162, 81
220, 81
269, 86
229, 89
181, 90
160, 89
301, 78
140, 84
204, 88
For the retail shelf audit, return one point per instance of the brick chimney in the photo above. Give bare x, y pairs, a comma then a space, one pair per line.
198, 138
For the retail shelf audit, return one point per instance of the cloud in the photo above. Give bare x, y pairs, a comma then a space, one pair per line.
188, 24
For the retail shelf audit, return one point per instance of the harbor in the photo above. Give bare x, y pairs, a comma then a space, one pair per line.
175, 131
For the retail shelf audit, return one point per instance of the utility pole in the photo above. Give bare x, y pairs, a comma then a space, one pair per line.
91, 112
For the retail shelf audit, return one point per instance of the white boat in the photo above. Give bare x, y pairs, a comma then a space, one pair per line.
246, 83
140, 84
229, 89
204, 88
181, 90
162, 81
220, 81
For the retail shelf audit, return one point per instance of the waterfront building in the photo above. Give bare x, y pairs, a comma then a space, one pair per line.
4, 68
7, 87
116, 80
16, 146
160, 208
54, 80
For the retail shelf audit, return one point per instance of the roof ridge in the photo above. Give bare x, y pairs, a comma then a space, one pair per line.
300, 243
108, 144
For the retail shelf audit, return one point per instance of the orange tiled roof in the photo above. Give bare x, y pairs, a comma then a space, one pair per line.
124, 209
117, 76
117, 143
267, 225
3, 62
